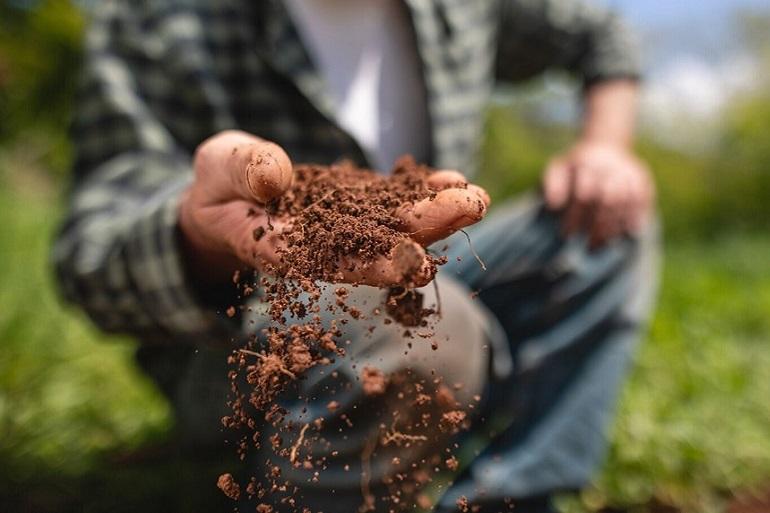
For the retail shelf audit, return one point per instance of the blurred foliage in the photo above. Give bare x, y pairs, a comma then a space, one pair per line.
693, 420
40, 45
700, 196
739, 175
67, 392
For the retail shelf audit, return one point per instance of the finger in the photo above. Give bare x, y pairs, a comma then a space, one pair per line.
481, 193
616, 205
642, 213
633, 201
407, 265
255, 169
445, 178
448, 179
610, 207
587, 184
556, 184
431, 220
599, 221
578, 213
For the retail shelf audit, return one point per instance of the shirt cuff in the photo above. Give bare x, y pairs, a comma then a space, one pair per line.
615, 54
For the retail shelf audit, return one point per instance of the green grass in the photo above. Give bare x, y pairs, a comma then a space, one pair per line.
67, 393
694, 419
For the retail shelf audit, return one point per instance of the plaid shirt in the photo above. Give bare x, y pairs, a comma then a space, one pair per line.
161, 76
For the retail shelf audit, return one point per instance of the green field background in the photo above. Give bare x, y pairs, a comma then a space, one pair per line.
693, 427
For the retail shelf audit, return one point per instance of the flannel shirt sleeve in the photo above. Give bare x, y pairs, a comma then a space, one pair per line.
588, 40
118, 252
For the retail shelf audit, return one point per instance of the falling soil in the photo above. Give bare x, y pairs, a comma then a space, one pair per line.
229, 487
335, 224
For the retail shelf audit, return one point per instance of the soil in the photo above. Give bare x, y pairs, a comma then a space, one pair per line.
756, 501
336, 221
343, 211
373, 381
229, 487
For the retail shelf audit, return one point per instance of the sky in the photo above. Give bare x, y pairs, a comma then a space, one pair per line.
693, 62
694, 66
703, 27
654, 12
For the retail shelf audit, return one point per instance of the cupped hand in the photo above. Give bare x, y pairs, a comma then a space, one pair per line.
222, 215
603, 191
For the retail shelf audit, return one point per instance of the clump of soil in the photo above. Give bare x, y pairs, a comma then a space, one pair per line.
406, 306
229, 487
373, 381
334, 223
452, 420
341, 212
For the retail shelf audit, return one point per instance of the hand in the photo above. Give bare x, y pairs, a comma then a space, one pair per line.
602, 190
236, 174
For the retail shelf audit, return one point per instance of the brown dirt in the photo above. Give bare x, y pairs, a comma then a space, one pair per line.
229, 487
757, 501
337, 214
343, 211
406, 307
373, 381
453, 419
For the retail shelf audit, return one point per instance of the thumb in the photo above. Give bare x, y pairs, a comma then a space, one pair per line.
249, 167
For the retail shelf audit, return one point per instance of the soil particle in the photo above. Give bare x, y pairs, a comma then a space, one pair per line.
423, 501
452, 419
406, 307
229, 487
373, 381
445, 397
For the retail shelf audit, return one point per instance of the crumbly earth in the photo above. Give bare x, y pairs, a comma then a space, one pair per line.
343, 211
330, 216
462, 504
373, 381
229, 487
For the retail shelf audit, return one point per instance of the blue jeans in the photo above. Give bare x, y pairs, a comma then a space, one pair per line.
572, 318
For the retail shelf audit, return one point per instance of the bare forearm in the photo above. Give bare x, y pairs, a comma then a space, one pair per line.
610, 110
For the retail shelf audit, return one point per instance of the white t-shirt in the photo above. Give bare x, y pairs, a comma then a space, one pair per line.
366, 54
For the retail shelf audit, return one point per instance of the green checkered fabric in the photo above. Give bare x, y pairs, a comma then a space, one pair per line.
161, 76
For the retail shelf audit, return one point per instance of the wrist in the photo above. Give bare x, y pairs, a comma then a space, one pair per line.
609, 117
609, 144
